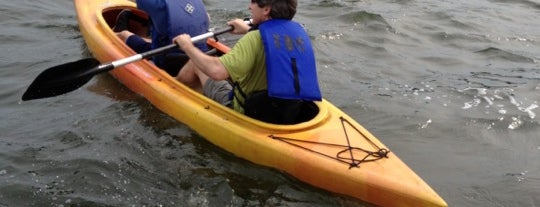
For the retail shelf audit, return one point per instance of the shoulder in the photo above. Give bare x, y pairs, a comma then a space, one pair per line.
243, 54
250, 40
252, 35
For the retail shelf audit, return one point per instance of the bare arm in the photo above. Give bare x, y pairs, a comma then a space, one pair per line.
209, 65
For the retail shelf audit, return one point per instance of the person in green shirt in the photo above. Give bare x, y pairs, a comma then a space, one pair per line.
243, 69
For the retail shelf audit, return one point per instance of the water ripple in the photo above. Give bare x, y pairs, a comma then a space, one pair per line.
498, 54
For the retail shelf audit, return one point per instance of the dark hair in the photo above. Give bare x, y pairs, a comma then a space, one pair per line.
280, 9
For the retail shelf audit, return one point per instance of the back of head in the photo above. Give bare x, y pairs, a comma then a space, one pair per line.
281, 9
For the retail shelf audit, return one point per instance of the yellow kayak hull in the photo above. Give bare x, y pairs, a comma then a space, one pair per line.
293, 149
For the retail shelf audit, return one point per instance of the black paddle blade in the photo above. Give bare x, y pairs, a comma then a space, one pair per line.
61, 79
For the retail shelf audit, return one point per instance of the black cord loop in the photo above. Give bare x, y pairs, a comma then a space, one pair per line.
346, 155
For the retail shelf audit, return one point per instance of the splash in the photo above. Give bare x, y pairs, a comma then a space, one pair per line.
331, 36
519, 176
426, 124
498, 100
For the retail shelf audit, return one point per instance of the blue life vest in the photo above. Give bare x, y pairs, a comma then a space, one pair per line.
171, 18
290, 61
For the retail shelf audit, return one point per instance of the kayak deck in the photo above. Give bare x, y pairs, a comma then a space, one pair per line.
330, 151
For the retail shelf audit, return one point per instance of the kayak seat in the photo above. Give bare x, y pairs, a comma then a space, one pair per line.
131, 20
122, 21
279, 111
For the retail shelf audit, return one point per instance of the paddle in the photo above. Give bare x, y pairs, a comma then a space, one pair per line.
67, 77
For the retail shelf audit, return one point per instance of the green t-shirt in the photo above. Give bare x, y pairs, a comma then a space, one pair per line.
246, 66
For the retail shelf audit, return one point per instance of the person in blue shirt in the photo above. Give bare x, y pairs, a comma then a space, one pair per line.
168, 18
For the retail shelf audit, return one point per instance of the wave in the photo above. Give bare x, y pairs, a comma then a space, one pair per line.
496, 53
373, 21
527, 3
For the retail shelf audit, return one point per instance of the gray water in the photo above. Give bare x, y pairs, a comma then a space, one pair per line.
451, 87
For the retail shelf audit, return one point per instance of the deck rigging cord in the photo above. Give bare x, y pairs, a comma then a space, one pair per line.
370, 156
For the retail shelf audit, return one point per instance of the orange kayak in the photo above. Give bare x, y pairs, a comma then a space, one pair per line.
330, 151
